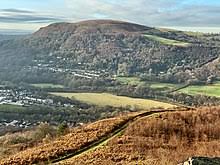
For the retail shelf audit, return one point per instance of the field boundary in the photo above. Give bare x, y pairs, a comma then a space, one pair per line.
177, 89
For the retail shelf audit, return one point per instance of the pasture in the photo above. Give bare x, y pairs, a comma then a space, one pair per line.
105, 99
167, 41
208, 90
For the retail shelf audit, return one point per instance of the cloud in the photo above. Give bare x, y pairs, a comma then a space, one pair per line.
16, 11
148, 12
194, 15
26, 16
168, 13
28, 19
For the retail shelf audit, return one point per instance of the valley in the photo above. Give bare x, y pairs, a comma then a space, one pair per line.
112, 92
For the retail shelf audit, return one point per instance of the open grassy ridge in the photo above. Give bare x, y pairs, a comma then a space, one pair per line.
105, 99
167, 41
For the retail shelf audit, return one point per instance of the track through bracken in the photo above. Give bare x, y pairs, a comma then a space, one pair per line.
160, 139
113, 134
78, 141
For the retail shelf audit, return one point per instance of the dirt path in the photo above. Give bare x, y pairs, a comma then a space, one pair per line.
108, 137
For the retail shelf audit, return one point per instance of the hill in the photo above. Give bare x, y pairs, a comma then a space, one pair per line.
155, 137
100, 48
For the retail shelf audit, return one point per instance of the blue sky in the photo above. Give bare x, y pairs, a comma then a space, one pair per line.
189, 14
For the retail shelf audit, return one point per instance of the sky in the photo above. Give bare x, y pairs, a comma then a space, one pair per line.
191, 15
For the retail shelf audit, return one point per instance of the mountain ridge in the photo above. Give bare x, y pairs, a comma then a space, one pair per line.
115, 47
111, 25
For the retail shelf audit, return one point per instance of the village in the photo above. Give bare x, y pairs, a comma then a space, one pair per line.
56, 65
24, 97
16, 100
21, 98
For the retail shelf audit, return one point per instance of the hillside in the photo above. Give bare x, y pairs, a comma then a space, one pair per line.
156, 137
107, 47
9, 37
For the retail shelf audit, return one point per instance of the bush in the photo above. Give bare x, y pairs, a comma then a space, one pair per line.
44, 130
62, 129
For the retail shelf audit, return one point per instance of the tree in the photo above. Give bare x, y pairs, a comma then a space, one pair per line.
62, 128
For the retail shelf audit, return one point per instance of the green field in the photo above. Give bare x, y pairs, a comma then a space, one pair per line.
208, 90
167, 41
104, 99
129, 80
165, 86
45, 85
154, 85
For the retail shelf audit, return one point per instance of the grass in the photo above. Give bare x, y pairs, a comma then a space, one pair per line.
11, 108
154, 85
105, 99
129, 80
167, 41
208, 90
47, 85
190, 33
168, 86
194, 34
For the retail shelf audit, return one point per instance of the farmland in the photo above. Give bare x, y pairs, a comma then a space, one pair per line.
165, 86
105, 99
129, 80
209, 90
167, 41
155, 85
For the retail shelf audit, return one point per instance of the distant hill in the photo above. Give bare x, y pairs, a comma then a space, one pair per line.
4, 37
113, 47
92, 26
